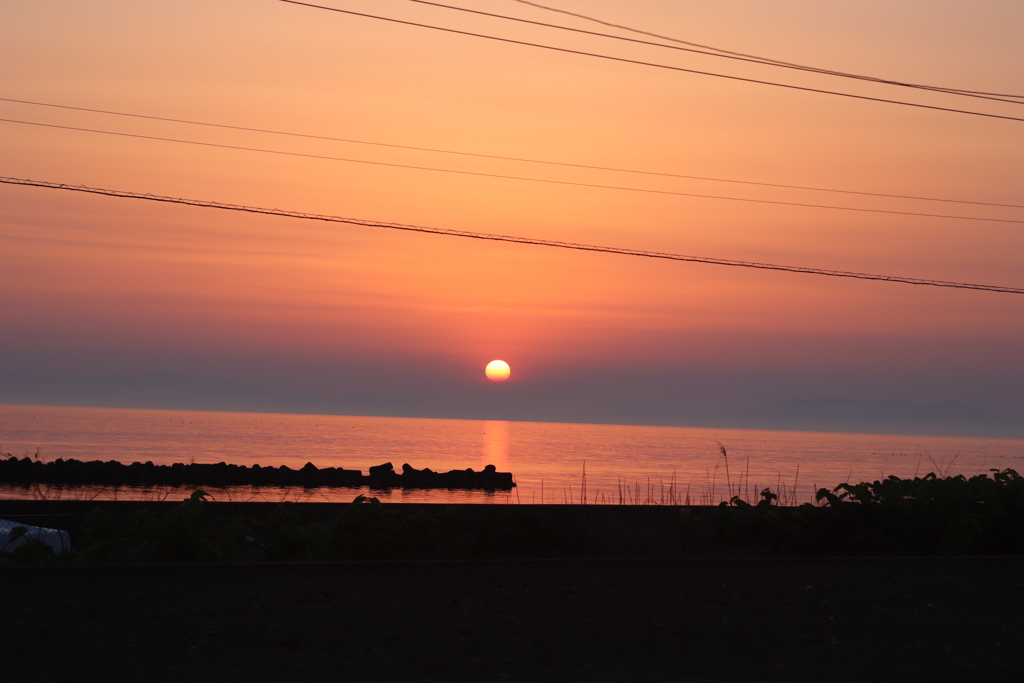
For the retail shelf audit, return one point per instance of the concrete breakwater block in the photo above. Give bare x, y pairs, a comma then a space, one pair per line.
112, 473
385, 476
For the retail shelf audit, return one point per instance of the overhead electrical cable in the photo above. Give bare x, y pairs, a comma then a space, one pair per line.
516, 159
507, 238
761, 60
718, 53
657, 65
500, 176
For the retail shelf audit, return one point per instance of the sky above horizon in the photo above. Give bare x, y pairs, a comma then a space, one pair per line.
97, 291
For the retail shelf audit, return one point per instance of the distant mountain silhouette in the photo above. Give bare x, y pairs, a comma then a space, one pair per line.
886, 417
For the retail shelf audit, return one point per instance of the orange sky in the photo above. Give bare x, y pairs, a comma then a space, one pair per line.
92, 286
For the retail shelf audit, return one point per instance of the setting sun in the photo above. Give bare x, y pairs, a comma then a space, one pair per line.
497, 371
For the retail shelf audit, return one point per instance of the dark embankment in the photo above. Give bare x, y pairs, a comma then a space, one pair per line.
983, 515
112, 473
710, 620
207, 612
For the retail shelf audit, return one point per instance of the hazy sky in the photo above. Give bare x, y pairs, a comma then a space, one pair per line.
119, 301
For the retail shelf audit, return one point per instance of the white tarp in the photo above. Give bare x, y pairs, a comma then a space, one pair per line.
57, 540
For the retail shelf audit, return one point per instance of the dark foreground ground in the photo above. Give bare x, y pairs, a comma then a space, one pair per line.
868, 619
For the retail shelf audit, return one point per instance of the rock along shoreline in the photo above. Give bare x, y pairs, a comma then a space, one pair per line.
73, 472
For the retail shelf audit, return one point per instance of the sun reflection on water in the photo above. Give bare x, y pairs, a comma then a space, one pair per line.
495, 444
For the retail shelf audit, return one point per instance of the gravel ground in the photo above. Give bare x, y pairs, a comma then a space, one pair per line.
877, 619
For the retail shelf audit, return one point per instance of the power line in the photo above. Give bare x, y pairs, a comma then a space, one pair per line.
760, 60
510, 158
716, 52
655, 64
506, 238
500, 176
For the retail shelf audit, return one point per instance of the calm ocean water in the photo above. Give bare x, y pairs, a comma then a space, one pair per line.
627, 463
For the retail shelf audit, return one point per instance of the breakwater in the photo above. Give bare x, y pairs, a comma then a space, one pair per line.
112, 473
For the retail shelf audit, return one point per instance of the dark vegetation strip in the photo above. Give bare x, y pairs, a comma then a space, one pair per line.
930, 515
112, 473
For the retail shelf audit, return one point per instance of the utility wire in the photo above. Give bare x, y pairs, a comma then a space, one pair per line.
760, 60
655, 64
719, 53
516, 159
506, 238
499, 176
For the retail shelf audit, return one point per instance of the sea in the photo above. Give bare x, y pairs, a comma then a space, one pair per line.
553, 463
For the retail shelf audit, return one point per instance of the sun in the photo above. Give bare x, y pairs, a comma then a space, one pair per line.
497, 371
